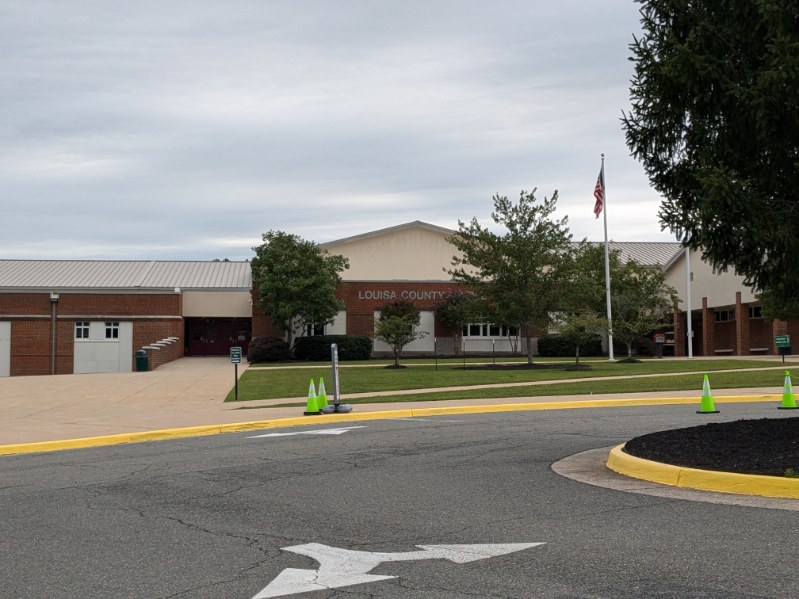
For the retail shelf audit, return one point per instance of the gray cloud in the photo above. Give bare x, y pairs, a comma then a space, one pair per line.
185, 129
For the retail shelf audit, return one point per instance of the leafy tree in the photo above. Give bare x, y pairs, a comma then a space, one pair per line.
519, 271
395, 326
455, 311
584, 305
296, 281
581, 329
714, 120
640, 301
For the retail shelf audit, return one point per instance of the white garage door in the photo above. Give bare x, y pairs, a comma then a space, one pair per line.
102, 346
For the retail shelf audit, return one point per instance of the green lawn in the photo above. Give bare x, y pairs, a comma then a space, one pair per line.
282, 382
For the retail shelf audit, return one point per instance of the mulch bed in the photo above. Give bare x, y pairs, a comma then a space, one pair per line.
767, 446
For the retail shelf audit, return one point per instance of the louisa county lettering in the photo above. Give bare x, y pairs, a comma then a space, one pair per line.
392, 296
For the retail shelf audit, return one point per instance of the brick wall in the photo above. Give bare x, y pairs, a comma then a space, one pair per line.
154, 316
362, 300
147, 332
708, 330
742, 332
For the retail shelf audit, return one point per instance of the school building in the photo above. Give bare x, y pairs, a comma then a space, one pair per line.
84, 316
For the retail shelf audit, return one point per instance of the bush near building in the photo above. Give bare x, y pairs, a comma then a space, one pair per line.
268, 349
557, 346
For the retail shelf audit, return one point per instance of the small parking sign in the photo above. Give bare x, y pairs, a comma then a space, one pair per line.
235, 355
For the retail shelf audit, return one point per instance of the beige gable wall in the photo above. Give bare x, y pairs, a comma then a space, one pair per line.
220, 304
718, 288
414, 253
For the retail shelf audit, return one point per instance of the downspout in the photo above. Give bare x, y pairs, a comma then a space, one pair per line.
53, 338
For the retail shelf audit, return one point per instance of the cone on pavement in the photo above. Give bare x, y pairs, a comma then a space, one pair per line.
321, 396
707, 406
788, 399
312, 407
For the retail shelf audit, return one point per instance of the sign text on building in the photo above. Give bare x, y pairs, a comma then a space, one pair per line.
408, 294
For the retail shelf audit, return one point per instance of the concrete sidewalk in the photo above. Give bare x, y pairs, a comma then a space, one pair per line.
185, 393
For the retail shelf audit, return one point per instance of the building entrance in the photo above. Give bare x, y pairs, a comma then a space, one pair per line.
215, 336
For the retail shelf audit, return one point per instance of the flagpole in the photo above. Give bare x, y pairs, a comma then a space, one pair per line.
607, 263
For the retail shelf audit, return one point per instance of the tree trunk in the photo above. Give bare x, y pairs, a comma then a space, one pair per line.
630, 350
577, 355
456, 344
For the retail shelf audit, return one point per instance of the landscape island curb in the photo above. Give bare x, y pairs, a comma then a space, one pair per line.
703, 480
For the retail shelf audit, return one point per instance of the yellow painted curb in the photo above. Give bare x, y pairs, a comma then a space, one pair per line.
703, 480
197, 431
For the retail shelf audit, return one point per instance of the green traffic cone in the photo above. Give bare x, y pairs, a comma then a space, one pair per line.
321, 397
788, 400
312, 407
707, 406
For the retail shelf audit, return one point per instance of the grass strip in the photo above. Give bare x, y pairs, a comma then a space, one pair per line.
266, 384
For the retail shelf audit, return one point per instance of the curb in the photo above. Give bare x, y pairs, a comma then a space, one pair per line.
217, 429
702, 480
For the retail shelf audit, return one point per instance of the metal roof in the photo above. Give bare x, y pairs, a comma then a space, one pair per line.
646, 253
123, 274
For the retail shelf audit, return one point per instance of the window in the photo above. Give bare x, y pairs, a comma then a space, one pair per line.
81, 329
725, 315
112, 330
755, 312
313, 330
489, 330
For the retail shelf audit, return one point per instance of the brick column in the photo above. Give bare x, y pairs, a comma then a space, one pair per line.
778, 327
708, 330
741, 327
679, 333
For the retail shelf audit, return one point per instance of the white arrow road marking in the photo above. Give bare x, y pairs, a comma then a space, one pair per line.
323, 431
346, 567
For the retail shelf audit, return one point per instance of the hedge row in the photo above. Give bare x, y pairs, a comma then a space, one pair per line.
350, 347
555, 346
317, 349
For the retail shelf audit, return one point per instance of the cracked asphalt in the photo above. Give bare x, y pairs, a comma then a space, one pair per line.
209, 516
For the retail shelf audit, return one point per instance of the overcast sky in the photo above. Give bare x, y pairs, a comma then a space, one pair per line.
184, 129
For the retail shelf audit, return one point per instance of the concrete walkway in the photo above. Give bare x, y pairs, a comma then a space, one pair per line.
185, 393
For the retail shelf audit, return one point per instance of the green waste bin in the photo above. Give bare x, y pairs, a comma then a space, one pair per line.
142, 361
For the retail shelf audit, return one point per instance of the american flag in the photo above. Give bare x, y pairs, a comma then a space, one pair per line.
599, 192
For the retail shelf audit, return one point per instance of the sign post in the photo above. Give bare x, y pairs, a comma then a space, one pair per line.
783, 344
337, 406
235, 359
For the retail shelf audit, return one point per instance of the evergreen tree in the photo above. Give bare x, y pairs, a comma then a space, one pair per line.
714, 120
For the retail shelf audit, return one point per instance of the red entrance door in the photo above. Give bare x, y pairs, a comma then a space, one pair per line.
215, 336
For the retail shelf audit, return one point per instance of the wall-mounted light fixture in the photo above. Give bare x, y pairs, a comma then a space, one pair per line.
54, 296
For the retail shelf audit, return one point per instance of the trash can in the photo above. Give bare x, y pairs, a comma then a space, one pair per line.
142, 361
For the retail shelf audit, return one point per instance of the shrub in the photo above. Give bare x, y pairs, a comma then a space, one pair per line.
317, 348
555, 346
268, 349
